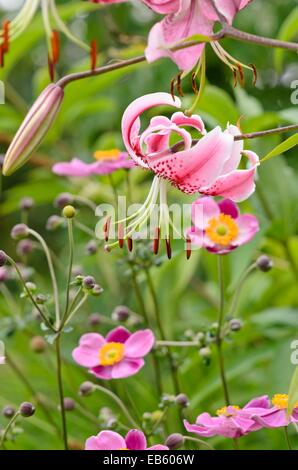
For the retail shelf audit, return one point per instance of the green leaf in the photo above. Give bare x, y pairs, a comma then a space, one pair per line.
293, 392
287, 32
282, 148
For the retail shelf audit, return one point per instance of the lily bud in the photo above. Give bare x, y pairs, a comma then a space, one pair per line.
33, 129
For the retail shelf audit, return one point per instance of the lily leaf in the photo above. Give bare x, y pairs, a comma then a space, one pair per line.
293, 392
282, 148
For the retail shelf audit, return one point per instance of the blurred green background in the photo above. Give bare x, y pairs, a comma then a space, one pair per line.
257, 357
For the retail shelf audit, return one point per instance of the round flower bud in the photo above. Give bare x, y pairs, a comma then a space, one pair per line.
27, 409
205, 353
38, 344
89, 282
182, 400
91, 247
41, 299
31, 286
69, 404
54, 222
8, 411
63, 200
264, 263
174, 441
19, 231
69, 212
121, 313
235, 324
3, 258
24, 247
86, 388
94, 319
26, 203
77, 270
97, 290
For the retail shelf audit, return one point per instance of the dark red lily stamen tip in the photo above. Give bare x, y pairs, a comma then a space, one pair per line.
93, 54
194, 83
168, 247
1, 56
5, 35
188, 248
241, 74
129, 244
106, 228
179, 85
255, 74
172, 87
55, 43
120, 235
156, 241
51, 67
235, 78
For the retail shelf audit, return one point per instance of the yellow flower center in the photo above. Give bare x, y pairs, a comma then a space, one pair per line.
111, 353
224, 411
123, 448
112, 154
280, 400
222, 229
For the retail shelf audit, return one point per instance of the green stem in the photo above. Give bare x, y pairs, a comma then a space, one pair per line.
52, 273
7, 428
71, 252
119, 403
287, 438
177, 344
219, 330
74, 311
235, 299
60, 389
198, 441
162, 332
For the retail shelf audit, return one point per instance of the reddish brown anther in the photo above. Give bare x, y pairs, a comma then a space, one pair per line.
194, 83
172, 88
106, 228
156, 241
255, 74
188, 248
241, 74
121, 235
129, 244
235, 78
168, 247
5, 35
51, 67
93, 54
179, 84
55, 44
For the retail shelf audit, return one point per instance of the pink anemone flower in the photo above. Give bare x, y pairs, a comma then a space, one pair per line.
2, 354
208, 165
108, 161
231, 421
219, 227
276, 416
110, 440
120, 354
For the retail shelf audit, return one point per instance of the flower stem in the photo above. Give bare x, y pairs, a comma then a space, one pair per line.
71, 252
218, 336
179, 344
198, 441
235, 299
60, 389
287, 438
52, 273
119, 403
8, 427
162, 333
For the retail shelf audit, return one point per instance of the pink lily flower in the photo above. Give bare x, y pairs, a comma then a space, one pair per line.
276, 416
219, 227
110, 440
120, 354
209, 166
231, 421
108, 162
2, 355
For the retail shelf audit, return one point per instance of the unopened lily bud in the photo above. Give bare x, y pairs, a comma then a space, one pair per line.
174, 441
69, 404
19, 231
89, 282
26, 203
235, 324
54, 222
27, 409
121, 313
182, 400
63, 199
264, 263
34, 128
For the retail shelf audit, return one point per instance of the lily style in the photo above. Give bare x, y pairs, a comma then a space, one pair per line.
110, 440
120, 354
219, 227
231, 421
52, 22
108, 161
208, 165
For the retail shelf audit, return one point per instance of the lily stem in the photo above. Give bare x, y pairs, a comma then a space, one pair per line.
60, 389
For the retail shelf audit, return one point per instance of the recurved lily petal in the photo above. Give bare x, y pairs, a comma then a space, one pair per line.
33, 129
